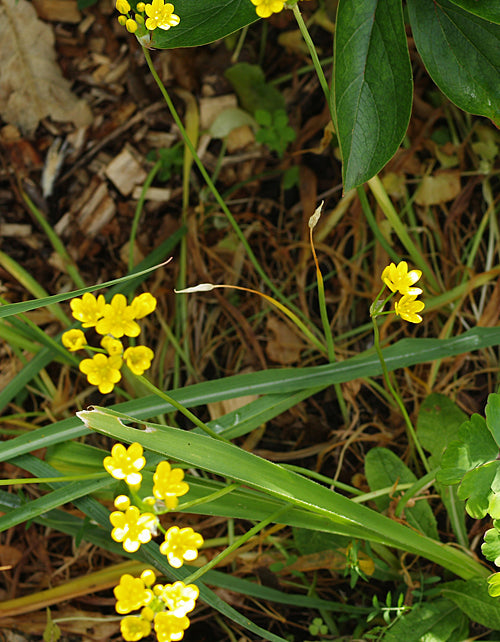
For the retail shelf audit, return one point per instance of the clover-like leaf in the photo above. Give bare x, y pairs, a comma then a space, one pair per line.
476, 488
493, 416
490, 548
494, 584
474, 447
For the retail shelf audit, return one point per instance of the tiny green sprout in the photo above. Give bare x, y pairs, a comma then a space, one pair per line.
317, 627
171, 159
274, 130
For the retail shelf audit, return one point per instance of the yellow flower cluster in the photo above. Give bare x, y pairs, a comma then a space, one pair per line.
266, 8
162, 606
160, 15
398, 279
113, 320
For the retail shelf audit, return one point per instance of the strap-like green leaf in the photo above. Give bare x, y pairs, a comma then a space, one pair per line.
372, 85
461, 53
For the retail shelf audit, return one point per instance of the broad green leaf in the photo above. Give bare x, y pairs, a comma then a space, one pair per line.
487, 9
490, 547
493, 416
475, 446
72, 525
437, 621
461, 53
439, 419
343, 515
383, 469
149, 553
476, 488
203, 22
253, 92
404, 353
372, 87
473, 599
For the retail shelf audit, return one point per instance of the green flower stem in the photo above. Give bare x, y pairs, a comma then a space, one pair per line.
208, 498
138, 211
314, 56
187, 413
214, 190
236, 544
411, 430
390, 213
322, 478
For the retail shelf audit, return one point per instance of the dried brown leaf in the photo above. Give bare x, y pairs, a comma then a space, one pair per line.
32, 86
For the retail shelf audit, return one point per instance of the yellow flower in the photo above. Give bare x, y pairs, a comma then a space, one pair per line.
398, 279
169, 627
73, 340
112, 346
143, 305
88, 309
132, 529
134, 628
265, 8
138, 358
131, 594
179, 597
168, 484
122, 6
181, 544
125, 463
102, 371
161, 15
118, 318
408, 307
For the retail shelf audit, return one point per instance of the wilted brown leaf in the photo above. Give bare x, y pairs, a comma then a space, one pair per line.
32, 86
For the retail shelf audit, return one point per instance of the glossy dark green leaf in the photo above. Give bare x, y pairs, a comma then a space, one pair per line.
372, 88
203, 22
487, 9
461, 53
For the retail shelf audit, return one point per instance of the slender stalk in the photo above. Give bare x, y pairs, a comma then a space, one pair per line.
314, 55
214, 190
410, 429
236, 544
325, 321
176, 404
